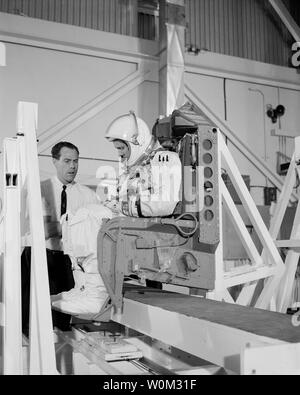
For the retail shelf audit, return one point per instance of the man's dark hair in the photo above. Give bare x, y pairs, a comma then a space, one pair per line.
55, 151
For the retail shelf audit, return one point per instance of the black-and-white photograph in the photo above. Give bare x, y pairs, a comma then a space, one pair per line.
149, 188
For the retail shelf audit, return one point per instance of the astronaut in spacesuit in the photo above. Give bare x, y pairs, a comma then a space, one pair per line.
150, 180
148, 186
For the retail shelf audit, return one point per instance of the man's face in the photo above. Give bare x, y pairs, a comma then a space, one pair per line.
122, 149
66, 165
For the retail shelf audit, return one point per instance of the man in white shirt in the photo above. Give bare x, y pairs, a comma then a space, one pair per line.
60, 195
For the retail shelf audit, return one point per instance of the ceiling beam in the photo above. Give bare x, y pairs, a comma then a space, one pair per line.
286, 18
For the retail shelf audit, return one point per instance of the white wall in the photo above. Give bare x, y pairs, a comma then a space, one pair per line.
238, 91
49, 68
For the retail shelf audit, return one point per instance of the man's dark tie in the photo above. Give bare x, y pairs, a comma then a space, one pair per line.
63, 205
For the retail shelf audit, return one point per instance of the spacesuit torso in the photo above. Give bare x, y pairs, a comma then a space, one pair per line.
151, 187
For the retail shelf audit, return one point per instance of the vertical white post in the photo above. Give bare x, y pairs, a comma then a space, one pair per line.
291, 261
283, 200
42, 351
219, 293
2, 54
12, 337
259, 225
2, 309
291, 264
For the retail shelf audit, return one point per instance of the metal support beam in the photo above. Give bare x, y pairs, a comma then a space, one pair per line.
172, 45
90, 110
286, 18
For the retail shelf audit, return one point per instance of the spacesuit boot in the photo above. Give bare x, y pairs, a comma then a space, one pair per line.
88, 295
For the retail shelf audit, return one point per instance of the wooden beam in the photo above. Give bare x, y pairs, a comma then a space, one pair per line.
286, 18
292, 243
171, 63
242, 147
42, 351
217, 332
2, 54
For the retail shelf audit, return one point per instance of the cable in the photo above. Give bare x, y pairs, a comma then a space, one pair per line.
165, 221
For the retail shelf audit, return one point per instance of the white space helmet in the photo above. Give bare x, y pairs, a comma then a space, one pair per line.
132, 130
